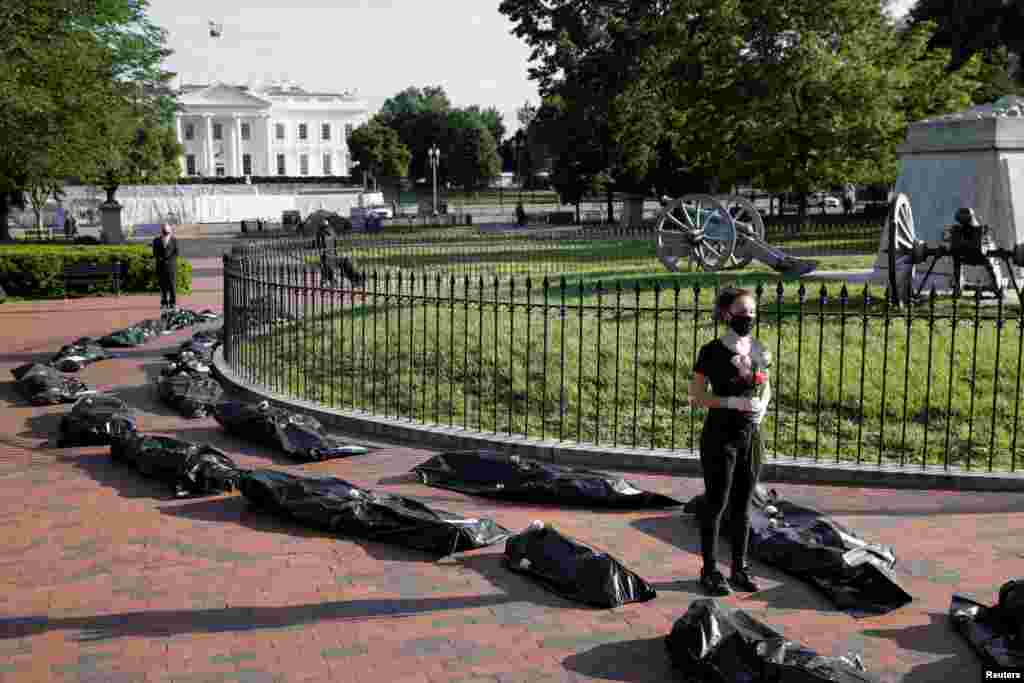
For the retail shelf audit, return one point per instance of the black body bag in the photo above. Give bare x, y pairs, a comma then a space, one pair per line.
45, 385
574, 570
996, 633
300, 436
856, 575
336, 505
511, 477
191, 469
715, 644
96, 420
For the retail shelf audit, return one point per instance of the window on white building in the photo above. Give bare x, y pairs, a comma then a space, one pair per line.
279, 130
325, 131
190, 131
327, 164
280, 164
303, 131
218, 131
190, 164
304, 164
246, 132
246, 164
220, 171
348, 131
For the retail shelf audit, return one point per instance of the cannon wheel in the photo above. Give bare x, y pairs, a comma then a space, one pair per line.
705, 225
900, 232
748, 220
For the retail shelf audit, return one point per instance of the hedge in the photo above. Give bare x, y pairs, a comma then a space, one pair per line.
37, 271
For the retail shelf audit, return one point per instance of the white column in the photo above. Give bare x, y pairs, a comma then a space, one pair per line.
181, 141
239, 170
208, 146
270, 144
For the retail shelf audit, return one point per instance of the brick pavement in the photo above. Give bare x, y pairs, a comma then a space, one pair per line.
105, 577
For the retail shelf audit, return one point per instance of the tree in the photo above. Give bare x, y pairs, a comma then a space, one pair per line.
974, 27
66, 69
473, 159
588, 53
378, 151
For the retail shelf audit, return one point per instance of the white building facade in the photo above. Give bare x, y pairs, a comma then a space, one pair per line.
279, 130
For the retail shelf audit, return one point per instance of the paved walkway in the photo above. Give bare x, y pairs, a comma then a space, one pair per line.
104, 577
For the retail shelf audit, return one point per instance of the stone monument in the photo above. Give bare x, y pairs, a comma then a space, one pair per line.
973, 158
110, 219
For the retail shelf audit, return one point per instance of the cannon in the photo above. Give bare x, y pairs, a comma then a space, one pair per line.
718, 233
967, 242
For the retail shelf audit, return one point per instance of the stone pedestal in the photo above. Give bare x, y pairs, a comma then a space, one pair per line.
969, 159
110, 220
633, 211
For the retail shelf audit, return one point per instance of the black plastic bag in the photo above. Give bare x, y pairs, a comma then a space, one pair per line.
338, 506
184, 317
75, 356
300, 436
191, 469
96, 420
855, 574
45, 385
996, 633
714, 644
125, 338
513, 478
573, 569
191, 394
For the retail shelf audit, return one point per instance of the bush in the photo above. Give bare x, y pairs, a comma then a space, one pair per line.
37, 271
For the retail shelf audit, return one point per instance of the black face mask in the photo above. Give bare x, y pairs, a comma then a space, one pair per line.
741, 324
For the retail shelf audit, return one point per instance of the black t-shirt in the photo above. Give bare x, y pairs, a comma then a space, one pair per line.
714, 361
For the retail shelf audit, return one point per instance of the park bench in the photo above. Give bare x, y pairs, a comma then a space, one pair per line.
91, 273
38, 234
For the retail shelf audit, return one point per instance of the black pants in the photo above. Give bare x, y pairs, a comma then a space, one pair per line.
730, 457
168, 287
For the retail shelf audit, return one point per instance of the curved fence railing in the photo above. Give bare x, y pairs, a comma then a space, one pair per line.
606, 357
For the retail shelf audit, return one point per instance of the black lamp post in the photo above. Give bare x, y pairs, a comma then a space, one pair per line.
517, 146
435, 155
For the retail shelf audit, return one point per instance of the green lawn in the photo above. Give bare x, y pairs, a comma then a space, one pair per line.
611, 365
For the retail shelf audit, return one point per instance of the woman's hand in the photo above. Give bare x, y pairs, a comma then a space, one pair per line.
744, 405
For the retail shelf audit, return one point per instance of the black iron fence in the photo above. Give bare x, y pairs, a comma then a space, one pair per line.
607, 360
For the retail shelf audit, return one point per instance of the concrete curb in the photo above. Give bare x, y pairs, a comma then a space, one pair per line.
681, 461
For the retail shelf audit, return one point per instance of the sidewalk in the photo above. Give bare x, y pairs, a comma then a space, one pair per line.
105, 577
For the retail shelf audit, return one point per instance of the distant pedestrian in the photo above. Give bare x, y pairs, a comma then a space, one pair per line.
165, 253
70, 227
520, 215
322, 233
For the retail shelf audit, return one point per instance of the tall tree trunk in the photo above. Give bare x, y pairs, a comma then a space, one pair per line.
611, 208
5, 210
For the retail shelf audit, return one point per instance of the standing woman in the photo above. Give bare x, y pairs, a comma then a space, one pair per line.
165, 253
736, 366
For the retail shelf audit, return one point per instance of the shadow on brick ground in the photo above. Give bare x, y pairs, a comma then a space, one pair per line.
635, 661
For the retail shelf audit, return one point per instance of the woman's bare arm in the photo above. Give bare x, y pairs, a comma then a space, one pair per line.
699, 394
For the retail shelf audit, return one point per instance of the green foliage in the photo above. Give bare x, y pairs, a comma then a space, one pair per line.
978, 27
79, 80
376, 148
474, 158
37, 271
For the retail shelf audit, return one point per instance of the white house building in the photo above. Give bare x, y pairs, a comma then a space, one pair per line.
279, 129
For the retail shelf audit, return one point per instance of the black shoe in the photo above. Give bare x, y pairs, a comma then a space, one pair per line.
714, 583
742, 581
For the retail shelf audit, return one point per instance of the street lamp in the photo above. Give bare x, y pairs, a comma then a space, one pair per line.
435, 155
517, 146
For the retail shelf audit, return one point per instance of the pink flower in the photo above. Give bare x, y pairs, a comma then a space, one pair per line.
743, 364
760, 377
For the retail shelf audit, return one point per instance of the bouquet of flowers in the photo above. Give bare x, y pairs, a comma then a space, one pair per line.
753, 373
